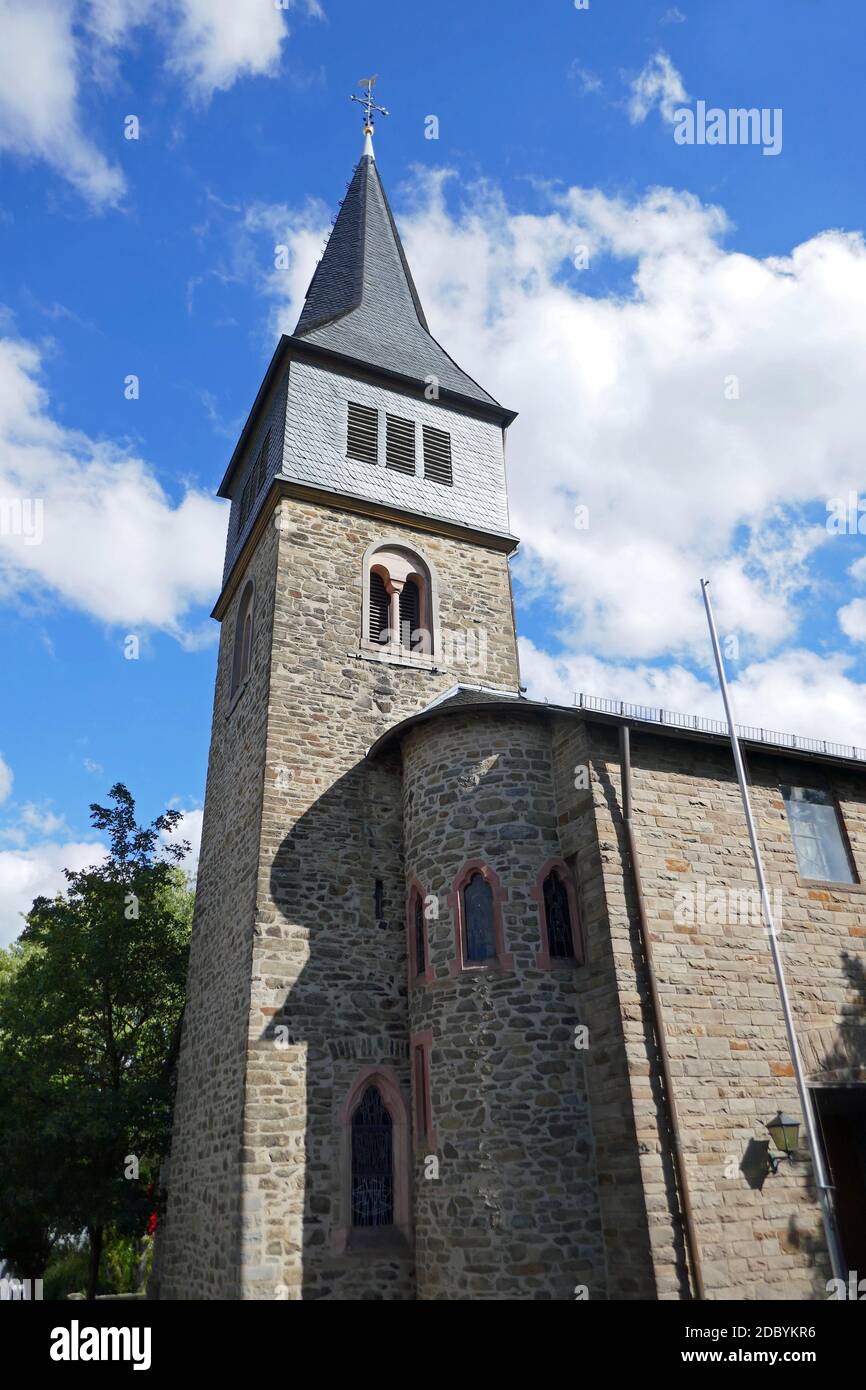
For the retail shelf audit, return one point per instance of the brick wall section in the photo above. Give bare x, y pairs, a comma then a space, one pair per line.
725, 1031
514, 1212
199, 1242
323, 967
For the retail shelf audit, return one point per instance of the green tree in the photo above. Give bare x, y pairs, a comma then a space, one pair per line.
90, 1014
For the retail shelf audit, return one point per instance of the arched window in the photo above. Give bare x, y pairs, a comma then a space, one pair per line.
561, 942
399, 607
242, 655
372, 1162
479, 937
374, 1168
417, 938
557, 917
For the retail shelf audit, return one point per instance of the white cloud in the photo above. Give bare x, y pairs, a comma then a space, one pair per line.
188, 829
26, 874
112, 545
41, 820
626, 406
797, 692
51, 49
39, 88
673, 16
657, 84
217, 41
5, 778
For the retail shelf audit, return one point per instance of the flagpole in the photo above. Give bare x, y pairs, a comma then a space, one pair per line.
825, 1191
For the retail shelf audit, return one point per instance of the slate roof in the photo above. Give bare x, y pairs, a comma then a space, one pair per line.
362, 301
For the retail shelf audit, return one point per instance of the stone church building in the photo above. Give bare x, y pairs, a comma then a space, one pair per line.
480, 1001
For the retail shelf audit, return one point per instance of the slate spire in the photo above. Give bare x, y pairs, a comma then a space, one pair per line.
362, 301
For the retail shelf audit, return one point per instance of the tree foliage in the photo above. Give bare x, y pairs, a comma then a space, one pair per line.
91, 1000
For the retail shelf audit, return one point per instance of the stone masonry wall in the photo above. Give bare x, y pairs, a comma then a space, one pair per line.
513, 1213
582, 783
199, 1246
329, 977
759, 1237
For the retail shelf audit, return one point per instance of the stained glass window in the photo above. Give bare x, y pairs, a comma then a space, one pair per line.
420, 953
557, 916
479, 924
372, 1162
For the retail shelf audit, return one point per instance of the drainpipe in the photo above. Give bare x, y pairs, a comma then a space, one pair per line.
658, 1025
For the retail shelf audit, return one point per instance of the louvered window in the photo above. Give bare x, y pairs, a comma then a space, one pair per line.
400, 444
246, 503
410, 615
262, 463
437, 456
362, 439
380, 608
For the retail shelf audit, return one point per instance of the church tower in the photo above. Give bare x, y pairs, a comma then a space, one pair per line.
366, 574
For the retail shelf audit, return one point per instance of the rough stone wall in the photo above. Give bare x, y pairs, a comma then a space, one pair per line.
199, 1245
583, 798
729, 1057
324, 968
514, 1211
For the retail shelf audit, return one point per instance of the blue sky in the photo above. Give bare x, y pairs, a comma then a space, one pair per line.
154, 257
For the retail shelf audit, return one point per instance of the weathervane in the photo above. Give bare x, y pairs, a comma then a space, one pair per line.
368, 103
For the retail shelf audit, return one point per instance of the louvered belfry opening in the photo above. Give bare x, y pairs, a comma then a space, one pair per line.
437, 456
400, 444
380, 608
410, 615
362, 436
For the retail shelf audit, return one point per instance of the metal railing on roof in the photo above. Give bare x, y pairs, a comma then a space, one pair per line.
653, 714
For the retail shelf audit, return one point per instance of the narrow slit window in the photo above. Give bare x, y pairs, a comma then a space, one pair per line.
379, 899
372, 1162
557, 917
437, 456
362, 437
819, 841
423, 1116
420, 945
400, 444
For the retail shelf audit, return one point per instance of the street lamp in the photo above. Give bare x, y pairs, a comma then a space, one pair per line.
784, 1132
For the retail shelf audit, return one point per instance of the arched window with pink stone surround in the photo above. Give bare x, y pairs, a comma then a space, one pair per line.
374, 1163
418, 937
561, 939
476, 902
399, 602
